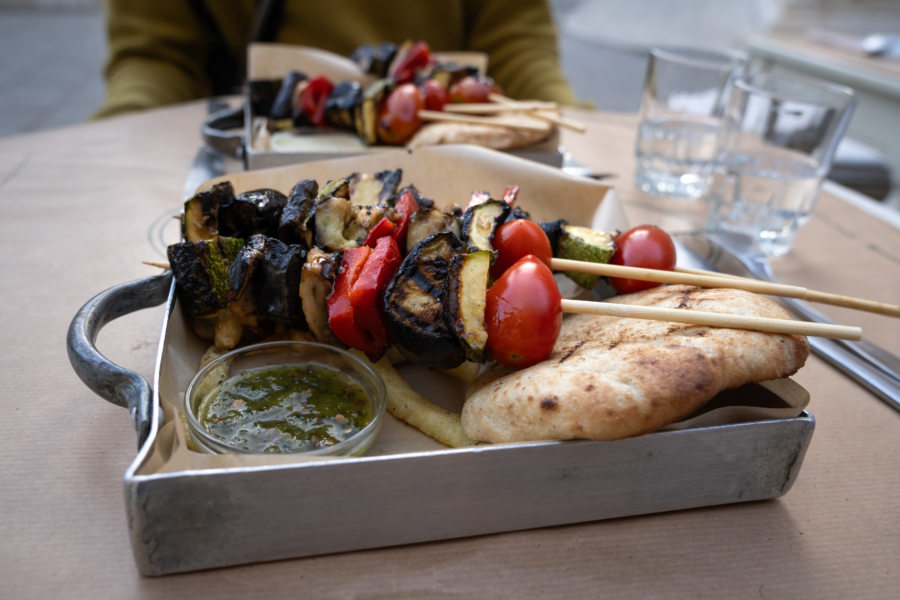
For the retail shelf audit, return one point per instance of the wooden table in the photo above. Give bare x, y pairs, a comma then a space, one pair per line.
83, 206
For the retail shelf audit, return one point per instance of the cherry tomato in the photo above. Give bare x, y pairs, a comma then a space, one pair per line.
523, 314
514, 239
435, 94
645, 246
473, 89
416, 57
398, 118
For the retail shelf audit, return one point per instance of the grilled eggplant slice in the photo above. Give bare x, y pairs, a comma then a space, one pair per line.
374, 59
282, 107
316, 280
414, 306
553, 229
429, 221
261, 94
341, 104
480, 222
256, 211
464, 301
201, 212
278, 293
365, 117
292, 226
201, 273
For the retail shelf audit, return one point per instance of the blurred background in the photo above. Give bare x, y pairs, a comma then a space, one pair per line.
54, 50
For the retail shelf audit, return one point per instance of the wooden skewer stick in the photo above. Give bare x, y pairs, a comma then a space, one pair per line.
497, 107
549, 116
153, 263
717, 281
698, 317
437, 115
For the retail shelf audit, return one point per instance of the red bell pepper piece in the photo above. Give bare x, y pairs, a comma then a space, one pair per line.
406, 206
367, 294
510, 194
418, 56
313, 98
382, 228
340, 310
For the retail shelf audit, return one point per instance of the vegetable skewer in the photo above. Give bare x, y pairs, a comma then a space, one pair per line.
726, 281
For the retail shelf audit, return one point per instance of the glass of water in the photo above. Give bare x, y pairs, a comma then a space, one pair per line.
680, 119
778, 140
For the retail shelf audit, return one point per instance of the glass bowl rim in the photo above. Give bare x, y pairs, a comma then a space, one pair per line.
379, 402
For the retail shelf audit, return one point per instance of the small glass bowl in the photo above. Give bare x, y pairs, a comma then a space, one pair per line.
285, 353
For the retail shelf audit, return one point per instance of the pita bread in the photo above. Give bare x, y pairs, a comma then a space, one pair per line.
489, 136
610, 378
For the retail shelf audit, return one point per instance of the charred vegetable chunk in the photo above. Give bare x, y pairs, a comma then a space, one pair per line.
480, 222
374, 59
553, 230
201, 212
278, 296
342, 103
414, 306
292, 226
316, 280
365, 117
335, 226
367, 189
464, 299
582, 243
265, 205
261, 94
427, 222
201, 273
282, 107
448, 73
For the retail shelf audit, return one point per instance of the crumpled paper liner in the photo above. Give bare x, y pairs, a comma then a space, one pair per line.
447, 174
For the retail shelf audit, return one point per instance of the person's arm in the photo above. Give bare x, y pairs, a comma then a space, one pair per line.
519, 37
157, 53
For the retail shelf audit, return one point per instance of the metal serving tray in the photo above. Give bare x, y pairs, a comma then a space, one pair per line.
199, 512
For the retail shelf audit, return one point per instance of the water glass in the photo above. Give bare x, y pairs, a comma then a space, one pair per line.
778, 140
680, 119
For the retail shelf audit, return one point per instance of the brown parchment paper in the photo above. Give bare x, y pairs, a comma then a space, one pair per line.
447, 174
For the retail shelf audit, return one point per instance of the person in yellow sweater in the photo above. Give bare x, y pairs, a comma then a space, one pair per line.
169, 51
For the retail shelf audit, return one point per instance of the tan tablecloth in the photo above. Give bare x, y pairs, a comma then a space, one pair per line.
82, 207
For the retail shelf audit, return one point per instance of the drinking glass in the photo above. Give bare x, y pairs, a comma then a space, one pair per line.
680, 119
778, 140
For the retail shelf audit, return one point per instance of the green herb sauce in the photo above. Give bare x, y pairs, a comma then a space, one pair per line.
283, 409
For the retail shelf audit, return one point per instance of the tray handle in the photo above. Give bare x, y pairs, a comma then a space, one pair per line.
113, 383
223, 131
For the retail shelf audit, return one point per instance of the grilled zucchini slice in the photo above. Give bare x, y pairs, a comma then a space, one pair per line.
480, 222
201, 212
581, 243
464, 301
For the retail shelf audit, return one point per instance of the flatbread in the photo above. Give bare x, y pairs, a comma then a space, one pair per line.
489, 136
609, 378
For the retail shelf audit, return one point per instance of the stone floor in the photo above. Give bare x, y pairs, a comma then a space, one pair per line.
51, 70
